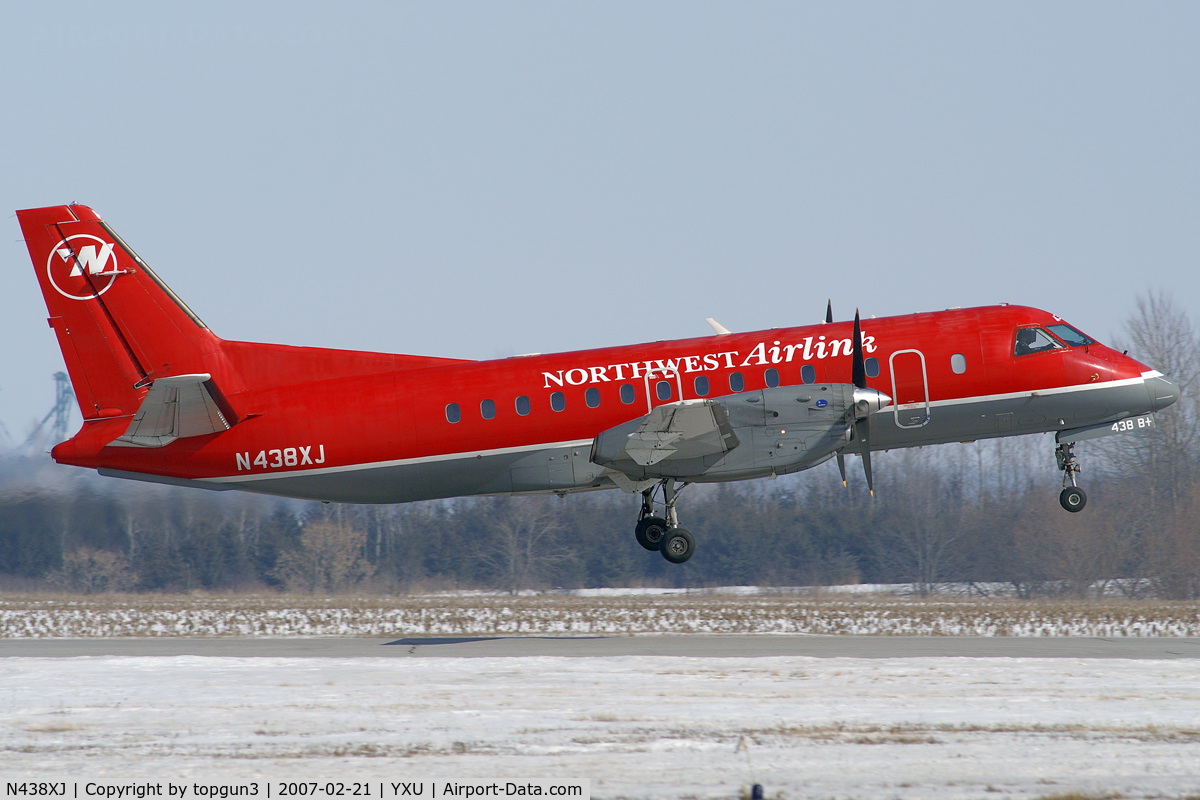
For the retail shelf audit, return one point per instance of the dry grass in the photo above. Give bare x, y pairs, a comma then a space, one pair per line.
917, 733
39, 616
53, 727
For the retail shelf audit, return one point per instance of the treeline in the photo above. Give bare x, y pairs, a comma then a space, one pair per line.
980, 512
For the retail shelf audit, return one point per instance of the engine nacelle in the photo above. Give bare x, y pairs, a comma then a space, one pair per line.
780, 430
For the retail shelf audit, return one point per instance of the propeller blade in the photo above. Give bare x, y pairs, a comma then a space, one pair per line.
863, 402
859, 373
863, 428
866, 457
829, 311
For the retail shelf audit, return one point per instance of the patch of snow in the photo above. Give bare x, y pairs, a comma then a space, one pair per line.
638, 727
732, 613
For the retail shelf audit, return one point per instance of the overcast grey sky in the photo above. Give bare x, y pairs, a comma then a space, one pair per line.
478, 180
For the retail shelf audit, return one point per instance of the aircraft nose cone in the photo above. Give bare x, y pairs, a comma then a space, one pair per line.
1163, 392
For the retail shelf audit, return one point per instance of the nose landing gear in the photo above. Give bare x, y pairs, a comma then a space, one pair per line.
664, 534
1072, 498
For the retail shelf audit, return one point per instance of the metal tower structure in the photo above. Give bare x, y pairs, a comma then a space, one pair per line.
64, 396
4, 432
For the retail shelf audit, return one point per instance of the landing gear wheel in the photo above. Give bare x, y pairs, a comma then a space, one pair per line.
677, 546
650, 532
1072, 499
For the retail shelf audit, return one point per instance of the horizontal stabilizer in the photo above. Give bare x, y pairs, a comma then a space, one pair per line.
175, 408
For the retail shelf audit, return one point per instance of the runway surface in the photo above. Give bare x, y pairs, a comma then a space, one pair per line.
640, 717
693, 646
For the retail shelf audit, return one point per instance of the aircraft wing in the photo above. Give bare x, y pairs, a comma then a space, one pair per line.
175, 408
686, 430
769, 431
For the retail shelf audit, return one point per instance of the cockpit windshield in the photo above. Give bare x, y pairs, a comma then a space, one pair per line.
1034, 340
1070, 335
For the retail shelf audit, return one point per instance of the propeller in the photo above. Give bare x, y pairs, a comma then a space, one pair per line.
862, 424
841, 459
864, 402
859, 374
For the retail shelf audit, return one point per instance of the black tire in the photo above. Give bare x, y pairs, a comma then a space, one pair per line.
650, 532
1072, 499
677, 546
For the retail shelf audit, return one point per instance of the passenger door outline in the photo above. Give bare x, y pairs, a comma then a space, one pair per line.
898, 406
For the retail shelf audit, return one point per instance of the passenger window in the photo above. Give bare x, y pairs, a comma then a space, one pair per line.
663, 390
487, 409
736, 382
701, 386
1034, 340
772, 377
872, 365
558, 401
592, 397
523, 405
958, 363
627, 393
453, 412
808, 374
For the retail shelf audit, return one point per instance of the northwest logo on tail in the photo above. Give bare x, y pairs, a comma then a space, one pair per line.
81, 271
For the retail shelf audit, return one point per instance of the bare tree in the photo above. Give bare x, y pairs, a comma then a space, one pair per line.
89, 571
330, 558
920, 521
525, 542
1172, 551
1074, 554
1161, 335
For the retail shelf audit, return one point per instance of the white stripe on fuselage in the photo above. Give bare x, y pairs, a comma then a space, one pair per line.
1083, 387
399, 462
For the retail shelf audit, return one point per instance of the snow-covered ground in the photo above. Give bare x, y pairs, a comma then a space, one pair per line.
736, 610
637, 727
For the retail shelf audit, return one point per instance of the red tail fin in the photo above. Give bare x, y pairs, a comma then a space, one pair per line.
118, 325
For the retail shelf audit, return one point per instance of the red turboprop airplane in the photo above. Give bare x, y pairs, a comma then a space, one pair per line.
165, 400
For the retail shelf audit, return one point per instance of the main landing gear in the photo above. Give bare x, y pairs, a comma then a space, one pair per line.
1072, 498
664, 534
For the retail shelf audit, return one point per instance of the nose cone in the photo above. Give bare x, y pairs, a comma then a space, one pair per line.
1163, 392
